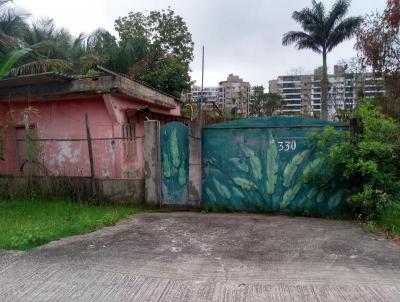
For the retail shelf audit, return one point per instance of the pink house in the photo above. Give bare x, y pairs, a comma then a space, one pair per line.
116, 107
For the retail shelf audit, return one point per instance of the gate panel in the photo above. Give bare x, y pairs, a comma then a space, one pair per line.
174, 164
257, 165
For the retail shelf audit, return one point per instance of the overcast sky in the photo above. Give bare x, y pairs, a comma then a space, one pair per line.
240, 37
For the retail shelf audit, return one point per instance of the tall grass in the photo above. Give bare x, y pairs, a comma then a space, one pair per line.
390, 220
27, 223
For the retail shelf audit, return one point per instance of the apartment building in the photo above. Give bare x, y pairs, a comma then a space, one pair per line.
302, 93
232, 93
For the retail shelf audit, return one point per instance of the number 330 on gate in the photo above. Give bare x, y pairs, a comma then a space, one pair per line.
287, 146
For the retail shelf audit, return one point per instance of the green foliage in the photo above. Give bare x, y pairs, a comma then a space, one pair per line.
389, 219
10, 60
264, 104
168, 48
367, 168
156, 48
27, 223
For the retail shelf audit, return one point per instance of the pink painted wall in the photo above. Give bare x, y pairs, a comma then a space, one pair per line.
117, 138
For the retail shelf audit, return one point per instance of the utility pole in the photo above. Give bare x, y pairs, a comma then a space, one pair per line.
202, 88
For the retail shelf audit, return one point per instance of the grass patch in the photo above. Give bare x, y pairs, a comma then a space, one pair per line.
390, 220
28, 223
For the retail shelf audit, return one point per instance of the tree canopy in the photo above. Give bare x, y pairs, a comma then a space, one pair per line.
264, 104
155, 48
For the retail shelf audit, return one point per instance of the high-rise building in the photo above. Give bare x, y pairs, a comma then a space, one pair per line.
232, 93
235, 93
302, 93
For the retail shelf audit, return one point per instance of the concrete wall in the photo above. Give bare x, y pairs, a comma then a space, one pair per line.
152, 163
195, 163
118, 191
118, 151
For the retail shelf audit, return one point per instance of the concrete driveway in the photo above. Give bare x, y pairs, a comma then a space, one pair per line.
208, 257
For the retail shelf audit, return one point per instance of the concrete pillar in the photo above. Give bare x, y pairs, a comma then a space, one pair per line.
195, 163
152, 163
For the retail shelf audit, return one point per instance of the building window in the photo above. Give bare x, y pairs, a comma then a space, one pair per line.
129, 141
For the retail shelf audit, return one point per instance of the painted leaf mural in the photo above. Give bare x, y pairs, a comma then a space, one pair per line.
166, 165
174, 149
244, 183
290, 195
292, 167
240, 164
174, 163
272, 165
222, 190
257, 164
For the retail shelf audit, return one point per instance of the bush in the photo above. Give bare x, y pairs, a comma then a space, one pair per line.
368, 167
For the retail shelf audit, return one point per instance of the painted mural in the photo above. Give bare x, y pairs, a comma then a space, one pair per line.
175, 163
258, 165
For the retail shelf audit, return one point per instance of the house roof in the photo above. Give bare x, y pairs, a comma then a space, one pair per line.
55, 85
35, 79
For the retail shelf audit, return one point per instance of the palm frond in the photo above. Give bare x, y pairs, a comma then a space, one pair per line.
7, 64
41, 65
343, 31
12, 28
3, 2
306, 18
319, 11
338, 11
302, 41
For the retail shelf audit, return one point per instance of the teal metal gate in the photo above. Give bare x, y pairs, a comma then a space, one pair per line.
174, 164
258, 164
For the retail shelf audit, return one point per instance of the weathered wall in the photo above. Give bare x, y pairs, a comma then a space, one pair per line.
195, 163
118, 138
152, 163
61, 130
121, 191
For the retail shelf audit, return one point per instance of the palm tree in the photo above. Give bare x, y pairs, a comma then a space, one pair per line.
7, 62
50, 49
12, 27
322, 33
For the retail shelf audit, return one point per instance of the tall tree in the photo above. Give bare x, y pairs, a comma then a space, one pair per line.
378, 44
12, 27
264, 104
322, 32
51, 49
167, 48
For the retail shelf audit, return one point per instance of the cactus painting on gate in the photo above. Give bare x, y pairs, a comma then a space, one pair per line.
258, 165
174, 163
